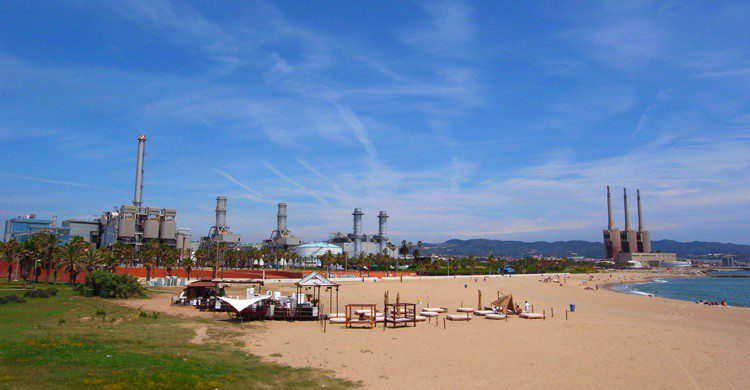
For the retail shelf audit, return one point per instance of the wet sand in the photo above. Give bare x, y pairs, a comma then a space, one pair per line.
613, 340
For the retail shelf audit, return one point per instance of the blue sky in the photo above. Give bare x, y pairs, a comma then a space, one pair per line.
480, 119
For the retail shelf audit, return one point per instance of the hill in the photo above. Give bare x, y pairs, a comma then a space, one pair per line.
485, 247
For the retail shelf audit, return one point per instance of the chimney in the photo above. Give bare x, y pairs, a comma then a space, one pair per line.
281, 218
625, 202
137, 201
382, 230
640, 216
221, 212
357, 231
611, 220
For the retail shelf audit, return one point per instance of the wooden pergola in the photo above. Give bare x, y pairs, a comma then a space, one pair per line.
317, 282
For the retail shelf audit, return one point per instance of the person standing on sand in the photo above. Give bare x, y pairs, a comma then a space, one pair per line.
527, 307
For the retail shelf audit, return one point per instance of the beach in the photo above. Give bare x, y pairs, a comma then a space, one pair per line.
612, 340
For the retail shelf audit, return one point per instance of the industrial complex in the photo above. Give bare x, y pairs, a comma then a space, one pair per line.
136, 224
633, 247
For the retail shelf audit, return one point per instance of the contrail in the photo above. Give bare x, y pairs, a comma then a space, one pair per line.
255, 195
294, 183
61, 182
333, 184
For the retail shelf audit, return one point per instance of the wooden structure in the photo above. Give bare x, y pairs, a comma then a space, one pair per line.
400, 314
317, 282
367, 316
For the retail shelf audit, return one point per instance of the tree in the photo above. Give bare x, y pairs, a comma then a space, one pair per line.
10, 251
149, 255
72, 254
125, 254
187, 264
169, 258
28, 259
47, 244
326, 260
201, 257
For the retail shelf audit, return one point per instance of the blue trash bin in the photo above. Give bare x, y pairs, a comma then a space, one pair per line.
572, 308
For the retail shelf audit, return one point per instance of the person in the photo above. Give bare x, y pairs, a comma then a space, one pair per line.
724, 303
518, 309
527, 307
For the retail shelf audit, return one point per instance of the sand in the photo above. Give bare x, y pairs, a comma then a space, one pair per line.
613, 340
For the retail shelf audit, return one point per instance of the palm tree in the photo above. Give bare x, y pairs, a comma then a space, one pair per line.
10, 252
201, 257
169, 258
187, 264
28, 255
149, 255
47, 244
325, 261
93, 258
72, 254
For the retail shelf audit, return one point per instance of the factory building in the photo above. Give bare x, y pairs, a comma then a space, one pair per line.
629, 246
282, 237
356, 243
88, 230
135, 224
22, 227
220, 232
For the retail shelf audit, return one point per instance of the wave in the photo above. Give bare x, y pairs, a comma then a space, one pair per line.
660, 281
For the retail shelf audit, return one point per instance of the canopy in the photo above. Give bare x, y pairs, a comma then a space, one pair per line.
242, 304
315, 279
505, 303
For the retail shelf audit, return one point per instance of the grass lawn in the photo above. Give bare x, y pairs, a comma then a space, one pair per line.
72, 341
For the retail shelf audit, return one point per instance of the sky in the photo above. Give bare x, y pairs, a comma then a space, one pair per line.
502, 120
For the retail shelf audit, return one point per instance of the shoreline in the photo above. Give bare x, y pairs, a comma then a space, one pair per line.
652, 279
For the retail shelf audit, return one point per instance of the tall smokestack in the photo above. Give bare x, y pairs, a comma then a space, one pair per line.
611, 220
625, 202
281, 218
357, 231
640, 216
137, 201
221, 212
382, 230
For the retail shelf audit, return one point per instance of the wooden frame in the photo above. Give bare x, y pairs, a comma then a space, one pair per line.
361, 319
400, 314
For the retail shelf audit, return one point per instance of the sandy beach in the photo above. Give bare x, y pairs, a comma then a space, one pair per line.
613, 340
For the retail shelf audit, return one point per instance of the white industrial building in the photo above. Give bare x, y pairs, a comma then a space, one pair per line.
309, 254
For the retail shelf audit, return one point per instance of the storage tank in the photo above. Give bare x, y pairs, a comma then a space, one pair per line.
126, 227
151, 229
167, 229
317, 249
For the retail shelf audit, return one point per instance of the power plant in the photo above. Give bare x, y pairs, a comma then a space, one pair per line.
282, 237
632, 246
357, 242
220, 231
135, 224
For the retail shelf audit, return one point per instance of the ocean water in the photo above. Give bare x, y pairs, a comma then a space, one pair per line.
736, 291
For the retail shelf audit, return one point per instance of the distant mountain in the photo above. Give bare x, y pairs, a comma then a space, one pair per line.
485, 247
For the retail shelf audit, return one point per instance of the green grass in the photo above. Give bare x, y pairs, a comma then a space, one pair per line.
72, 341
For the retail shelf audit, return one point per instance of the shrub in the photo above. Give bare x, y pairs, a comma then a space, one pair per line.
106, 284
41, 293
143, 314
101, 313
11, 299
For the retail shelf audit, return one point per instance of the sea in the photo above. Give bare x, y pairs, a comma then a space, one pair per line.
734, 290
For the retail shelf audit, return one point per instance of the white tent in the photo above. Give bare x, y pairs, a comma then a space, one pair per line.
241, 304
